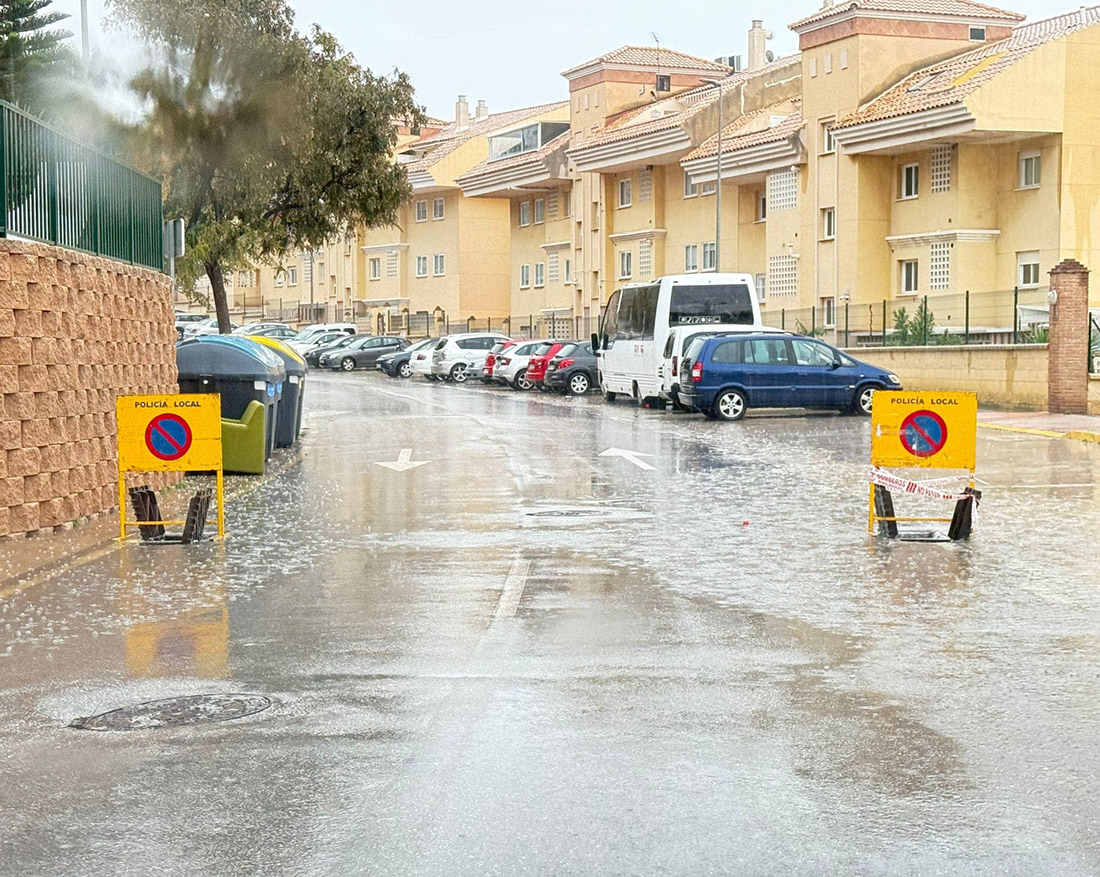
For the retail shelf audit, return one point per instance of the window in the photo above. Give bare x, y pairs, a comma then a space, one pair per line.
828, 223
909, 282
691, 257
626, 265
540, 274
540, 211
828, 59
375, 268
909, 181
645, 258
731, 351
279, 278
645, 186
568, 271
320, 272
782, 275
811, 353
624, 193
761, 206
940, 265
391, 264
977, 34
437, 208
438, 264
553, 267
690, 189
1030, 170
525, 214
767, 352
1027, 268
524, 276
828, 145
709, 256
553, 205
421, 211
941, 169
708, 188
782, 190
761, 283
292, 276
828, 312
421, 266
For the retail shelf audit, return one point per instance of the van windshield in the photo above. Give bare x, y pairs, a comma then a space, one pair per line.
716, 303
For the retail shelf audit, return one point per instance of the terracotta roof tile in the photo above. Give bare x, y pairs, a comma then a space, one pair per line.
736, 136
952, 80
958, 8
651, 56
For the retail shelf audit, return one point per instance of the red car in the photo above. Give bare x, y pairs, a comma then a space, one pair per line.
491, 360
536, 366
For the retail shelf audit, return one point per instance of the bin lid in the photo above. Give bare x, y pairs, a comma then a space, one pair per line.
229, 356
295, 365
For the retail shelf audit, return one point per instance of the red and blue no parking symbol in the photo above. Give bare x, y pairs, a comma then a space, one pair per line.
923, 433
168, 437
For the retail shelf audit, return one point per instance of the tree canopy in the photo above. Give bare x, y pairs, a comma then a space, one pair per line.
31, 51
267, 140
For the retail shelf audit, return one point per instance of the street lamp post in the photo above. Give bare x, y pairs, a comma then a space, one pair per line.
717, 83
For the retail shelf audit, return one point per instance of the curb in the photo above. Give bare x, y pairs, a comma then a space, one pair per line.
1080, 435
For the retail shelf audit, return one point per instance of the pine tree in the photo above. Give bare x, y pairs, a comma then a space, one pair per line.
30, 50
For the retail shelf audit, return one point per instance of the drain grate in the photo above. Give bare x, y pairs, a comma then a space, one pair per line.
567, 513
175, 712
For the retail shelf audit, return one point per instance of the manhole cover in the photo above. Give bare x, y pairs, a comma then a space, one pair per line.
174, 712
566, 513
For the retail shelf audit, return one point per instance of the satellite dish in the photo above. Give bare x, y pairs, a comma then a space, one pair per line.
770, 55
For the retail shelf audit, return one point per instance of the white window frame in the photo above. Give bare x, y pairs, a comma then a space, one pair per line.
1031, 158
691, 258
708, 188
421, 211
525, 276
280, 278
375, 264
828, 311
904, 193
828, 144
691, 190
439, 209
439, 265
626, 193
421, 266
760, 281
540, 274
567, 271
626, 264
1026, 260
828, 223
710, 256
292, 276
524, 214
540, 211
910, 270
977, 33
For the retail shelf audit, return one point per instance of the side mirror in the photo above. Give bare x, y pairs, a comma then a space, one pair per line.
595, 344
836, 363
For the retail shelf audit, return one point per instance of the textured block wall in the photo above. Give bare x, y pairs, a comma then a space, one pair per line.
75, 331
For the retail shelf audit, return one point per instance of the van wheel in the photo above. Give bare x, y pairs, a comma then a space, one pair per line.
730, 405
520, 381
863, 400
609, 397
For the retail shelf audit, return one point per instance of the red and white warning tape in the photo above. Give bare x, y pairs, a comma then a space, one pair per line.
919, 488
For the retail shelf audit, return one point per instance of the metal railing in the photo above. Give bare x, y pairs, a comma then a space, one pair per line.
58, 191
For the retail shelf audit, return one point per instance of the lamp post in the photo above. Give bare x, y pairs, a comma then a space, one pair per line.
717, 83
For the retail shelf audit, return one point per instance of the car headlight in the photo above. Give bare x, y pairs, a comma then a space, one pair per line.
893, 378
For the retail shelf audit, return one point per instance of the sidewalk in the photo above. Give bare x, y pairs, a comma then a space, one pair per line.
1082, 427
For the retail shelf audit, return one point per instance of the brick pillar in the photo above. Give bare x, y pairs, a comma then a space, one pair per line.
1067, 368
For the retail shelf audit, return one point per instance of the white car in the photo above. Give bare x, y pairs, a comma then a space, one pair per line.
454, 354
209, 326
421, 362
679, 340
307, 338
511, 365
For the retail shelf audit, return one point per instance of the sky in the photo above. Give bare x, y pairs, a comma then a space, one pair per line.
512, 55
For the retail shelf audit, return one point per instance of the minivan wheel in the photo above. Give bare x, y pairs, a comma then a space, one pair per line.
579, 384
520, 381
458, 373
864, 399
730, 405
405, 370
347, 364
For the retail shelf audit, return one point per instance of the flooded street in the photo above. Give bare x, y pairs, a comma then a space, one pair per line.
526, 656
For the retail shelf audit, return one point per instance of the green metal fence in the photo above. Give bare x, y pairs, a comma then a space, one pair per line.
57, 191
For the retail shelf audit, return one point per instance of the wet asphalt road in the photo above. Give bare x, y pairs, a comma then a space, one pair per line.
524, 658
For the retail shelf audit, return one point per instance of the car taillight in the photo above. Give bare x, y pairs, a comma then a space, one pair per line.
505, 360
490, 359
565, 363
697, 372
420, 356
675, 366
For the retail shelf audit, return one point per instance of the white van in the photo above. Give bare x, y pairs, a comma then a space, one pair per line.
309, 334
636, 322
679, 339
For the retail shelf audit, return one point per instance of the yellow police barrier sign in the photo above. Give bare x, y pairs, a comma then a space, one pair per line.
169, 433
927, 430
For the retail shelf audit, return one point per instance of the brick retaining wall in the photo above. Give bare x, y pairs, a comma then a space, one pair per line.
75, 331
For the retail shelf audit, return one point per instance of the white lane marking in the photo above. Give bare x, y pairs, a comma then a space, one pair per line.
512, 592
632, 456
403, 462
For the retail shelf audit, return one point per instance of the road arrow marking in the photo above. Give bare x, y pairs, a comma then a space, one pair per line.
404, 461
632, 456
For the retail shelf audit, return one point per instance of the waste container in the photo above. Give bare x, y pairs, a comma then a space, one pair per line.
289, 422
241, 370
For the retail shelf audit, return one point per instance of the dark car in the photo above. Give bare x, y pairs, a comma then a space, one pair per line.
728, 374
399, 363
313, 357
363, 352
573, 369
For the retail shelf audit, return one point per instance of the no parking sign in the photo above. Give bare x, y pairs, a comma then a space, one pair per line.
931, 430
178, 433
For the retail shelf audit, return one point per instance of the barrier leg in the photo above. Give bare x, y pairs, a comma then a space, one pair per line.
962, 522
884, 508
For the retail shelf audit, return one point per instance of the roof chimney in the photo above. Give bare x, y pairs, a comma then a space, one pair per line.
462, 112
482, 111
758, 38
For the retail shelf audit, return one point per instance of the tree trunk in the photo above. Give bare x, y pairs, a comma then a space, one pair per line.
221, 304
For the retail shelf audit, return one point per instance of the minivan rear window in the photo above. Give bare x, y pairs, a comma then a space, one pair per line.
715, 303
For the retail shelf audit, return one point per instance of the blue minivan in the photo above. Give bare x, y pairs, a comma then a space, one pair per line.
725, 375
